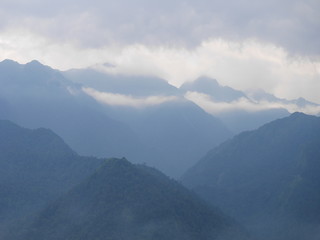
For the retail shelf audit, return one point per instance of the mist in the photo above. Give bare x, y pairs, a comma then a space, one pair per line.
159, 120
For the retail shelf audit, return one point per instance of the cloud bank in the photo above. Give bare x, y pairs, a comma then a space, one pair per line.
114, 99
291, 24
246, 104
273, 45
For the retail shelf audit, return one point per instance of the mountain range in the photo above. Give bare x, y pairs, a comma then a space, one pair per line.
266, 177
34, 95
142, 118
50, 192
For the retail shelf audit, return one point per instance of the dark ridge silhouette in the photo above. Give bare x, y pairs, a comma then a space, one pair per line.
36, 166
267, 179
125, 201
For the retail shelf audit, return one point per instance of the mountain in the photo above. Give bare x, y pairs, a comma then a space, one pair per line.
125, 201
260, 95
239, 120
35, 96
36, 166
267, 179
239, 111
175, 133
121, 84
50, 192
169, 135
212, 88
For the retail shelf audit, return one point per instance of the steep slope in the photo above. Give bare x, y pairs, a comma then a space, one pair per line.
268, 178
36, 166
34, 95
124, 201
38, 96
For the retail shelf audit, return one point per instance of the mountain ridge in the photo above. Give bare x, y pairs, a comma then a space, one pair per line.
266, 178
124, 201
36, 166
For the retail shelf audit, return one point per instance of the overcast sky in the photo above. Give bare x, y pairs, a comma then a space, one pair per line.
273, 45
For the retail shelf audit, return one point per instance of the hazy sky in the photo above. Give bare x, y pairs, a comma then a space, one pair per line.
273, 45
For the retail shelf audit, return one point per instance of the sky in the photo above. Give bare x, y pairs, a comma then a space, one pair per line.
270, 45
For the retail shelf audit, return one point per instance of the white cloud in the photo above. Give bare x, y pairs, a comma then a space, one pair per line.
242, 65
124, 100
216, 108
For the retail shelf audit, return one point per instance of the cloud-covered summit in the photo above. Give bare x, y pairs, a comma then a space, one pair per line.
244, 44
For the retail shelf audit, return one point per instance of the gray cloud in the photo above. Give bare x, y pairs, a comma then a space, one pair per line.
292, 24
273, 45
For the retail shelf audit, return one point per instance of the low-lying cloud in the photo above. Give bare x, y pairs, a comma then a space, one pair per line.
246, 104
114, 99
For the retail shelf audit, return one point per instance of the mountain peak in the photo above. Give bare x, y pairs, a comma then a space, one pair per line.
122, 199
212, 88
9, 64
202, 84
35, 63
32, 139
298, 114
8, 61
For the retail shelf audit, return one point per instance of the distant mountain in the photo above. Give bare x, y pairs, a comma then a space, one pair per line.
212, 88
175, 133
268, 179
35, 96
169, 136
236, 109
125, 201
36, 166
260, 95
127, 85
239, 120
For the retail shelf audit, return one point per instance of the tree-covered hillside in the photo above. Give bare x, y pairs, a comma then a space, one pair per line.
36, 166
267, 178
124, 201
